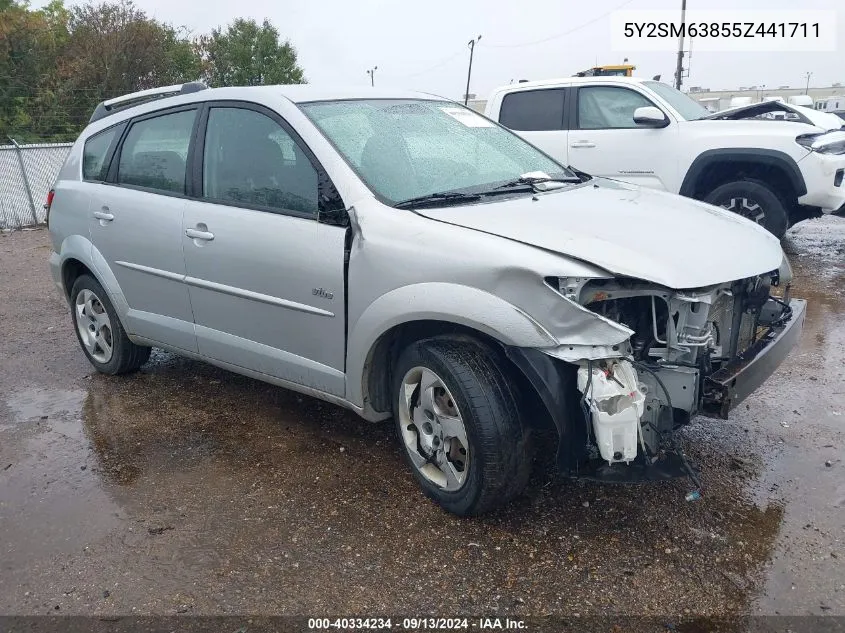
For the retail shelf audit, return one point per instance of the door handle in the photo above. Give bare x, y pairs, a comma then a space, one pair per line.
104, 215
199, 234
578, 144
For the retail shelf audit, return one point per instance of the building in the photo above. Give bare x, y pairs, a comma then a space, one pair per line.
715, 100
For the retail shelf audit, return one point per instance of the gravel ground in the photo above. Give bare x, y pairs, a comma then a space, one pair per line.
187, 489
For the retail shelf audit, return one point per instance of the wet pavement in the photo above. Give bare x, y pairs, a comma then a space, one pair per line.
187, 489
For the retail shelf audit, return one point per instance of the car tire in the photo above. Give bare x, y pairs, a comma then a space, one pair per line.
100, 332
754, 200
440, 383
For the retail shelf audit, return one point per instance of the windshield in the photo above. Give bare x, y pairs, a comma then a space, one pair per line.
407, 148
687, 107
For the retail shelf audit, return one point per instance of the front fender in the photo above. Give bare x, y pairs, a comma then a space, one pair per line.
437, 301
768, 157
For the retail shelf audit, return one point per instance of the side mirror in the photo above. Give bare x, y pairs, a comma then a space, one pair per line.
649, 116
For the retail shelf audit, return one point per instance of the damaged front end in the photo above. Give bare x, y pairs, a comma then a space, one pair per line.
690, 352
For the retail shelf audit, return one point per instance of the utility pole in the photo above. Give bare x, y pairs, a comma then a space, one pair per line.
471, 45
679, 69
808, 74
372, 73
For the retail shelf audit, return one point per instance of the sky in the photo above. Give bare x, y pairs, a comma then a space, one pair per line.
422, 45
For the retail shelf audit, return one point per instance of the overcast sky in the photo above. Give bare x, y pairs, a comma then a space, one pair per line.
423, 44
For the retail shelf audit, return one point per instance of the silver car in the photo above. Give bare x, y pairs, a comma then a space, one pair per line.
405, 257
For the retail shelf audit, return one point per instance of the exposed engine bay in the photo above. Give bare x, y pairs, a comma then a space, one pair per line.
684, 356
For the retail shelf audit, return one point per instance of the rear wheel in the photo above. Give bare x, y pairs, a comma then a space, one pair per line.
100, 332
754, 200
458, 421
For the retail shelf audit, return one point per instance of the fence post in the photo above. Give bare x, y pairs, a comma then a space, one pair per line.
25, 180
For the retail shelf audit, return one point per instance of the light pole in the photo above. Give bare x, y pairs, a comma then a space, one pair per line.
372, 73
471, 45
808, 74
679, 67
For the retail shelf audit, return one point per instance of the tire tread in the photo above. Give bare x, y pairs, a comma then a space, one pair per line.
777, 218
127, 357
505, 441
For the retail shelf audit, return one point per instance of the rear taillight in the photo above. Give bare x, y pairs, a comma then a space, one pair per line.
48, 204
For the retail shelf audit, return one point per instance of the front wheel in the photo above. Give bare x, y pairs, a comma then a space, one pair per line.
458, 421
100, 333
753, 200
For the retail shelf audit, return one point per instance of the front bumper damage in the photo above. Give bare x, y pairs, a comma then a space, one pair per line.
616, 417
730, 385
823, 175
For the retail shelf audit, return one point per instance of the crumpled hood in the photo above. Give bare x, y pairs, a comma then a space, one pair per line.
630, 231
808, 116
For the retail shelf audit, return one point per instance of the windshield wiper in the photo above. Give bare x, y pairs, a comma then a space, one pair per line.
532, 180
537, 183
439, 198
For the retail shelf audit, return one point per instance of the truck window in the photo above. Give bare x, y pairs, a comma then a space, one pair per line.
602, 107
533, 110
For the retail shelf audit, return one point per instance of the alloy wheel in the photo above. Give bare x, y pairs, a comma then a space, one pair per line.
433, 429
94, 326
746, 207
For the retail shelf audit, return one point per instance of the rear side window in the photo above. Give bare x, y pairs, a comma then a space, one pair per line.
155, 152
95, 152
248, 158
533, 110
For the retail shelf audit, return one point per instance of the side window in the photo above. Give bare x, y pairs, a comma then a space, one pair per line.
155, 152
533, 110
95, 151
249, 158
601, 107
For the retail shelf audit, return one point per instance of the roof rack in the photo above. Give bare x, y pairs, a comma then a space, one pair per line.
112, 106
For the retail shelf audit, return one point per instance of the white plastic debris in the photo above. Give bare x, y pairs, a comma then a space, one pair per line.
616, 403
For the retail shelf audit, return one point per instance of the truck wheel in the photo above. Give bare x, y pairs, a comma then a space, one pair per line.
100, 332
754, 200
458, 420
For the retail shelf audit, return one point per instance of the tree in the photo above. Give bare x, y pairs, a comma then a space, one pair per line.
116, 46
57, 63
246, 54
29, 44
114, 49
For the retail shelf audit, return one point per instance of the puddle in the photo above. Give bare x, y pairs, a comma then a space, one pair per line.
52, 499
187, 489
43, 403
236, 484
801, 413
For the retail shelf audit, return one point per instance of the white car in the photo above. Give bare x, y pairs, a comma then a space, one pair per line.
775, 172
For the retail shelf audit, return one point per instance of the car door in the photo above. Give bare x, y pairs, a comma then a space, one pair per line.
605, 141
266, 275
136, 225
537, 115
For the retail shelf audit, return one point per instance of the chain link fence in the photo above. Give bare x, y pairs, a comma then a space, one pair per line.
26, 174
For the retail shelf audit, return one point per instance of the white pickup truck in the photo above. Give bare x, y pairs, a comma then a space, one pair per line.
776, 172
